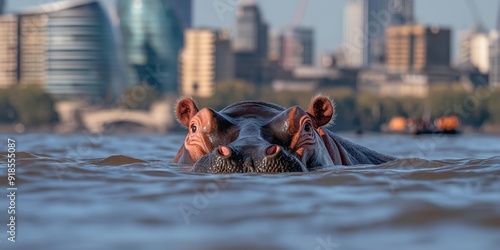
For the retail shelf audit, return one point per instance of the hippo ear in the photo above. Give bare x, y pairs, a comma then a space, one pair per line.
185, 110
321, 110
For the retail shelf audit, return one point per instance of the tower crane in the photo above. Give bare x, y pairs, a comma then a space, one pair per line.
288, 35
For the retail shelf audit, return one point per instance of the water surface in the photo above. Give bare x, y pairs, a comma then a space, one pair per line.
120, 192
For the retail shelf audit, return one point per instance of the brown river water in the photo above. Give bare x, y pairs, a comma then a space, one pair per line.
121, 192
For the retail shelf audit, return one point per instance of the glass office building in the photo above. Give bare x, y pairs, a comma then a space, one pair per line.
67, 47
152, 39
364, 43
184, 12
250, 43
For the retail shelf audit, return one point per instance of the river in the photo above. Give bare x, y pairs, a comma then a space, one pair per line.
121, 192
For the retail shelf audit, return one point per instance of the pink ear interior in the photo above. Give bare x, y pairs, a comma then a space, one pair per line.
321, 110
185, 110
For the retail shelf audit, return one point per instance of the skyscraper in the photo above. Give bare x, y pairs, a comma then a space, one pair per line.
251, 31
205, 59
275, 46
494, 77
402, 11
184, 11
2, 6
8, 50
298, 48
474, 50
417, 48
153, 37
365, 24
70, 59
250, 43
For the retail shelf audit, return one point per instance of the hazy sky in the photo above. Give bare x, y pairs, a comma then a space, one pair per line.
326, 15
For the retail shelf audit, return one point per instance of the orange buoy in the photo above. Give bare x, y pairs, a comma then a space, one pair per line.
447, 123
397, 124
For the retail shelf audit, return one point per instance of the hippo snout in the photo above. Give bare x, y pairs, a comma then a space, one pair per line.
228, 159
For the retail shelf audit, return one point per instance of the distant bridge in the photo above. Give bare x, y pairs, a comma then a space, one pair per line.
159, 118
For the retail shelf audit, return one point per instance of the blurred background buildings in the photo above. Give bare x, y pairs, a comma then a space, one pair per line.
80, 50
494, 54
67, 47
417, 48
152, 35
250, 43
183, 10
205, 60
299, 48
365, 23
474, 50
75, 50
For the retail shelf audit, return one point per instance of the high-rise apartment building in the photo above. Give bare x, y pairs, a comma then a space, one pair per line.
205, 59
250, 43
275, 46
494, 59
474, 50
417, 48
8, 50
365, 22
251, 31
494, 49
298, 48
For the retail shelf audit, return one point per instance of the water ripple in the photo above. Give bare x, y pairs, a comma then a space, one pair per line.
128, 192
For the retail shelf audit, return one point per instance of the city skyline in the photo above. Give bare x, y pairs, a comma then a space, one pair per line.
365, 25
152, 38
78, 51
328, 26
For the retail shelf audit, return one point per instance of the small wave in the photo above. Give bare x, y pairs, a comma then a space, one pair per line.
23, 155
117, 160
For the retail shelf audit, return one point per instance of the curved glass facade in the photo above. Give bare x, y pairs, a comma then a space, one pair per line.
152, 40
69, 48
78, 51
184, 10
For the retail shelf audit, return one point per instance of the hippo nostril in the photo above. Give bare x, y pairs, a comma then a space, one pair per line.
224, 151
272, 150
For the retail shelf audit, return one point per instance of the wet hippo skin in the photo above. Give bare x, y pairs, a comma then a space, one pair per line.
264, 137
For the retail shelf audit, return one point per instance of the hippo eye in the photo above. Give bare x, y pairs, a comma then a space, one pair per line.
307, 127
194, 128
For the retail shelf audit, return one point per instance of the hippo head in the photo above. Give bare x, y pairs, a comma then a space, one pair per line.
254, 137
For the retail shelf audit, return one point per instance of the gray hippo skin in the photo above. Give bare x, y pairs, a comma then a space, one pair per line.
264, 137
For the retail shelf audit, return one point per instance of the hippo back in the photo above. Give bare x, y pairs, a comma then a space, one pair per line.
357, 154
263, 110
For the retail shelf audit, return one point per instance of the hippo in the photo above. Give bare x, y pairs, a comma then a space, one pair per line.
254, 136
